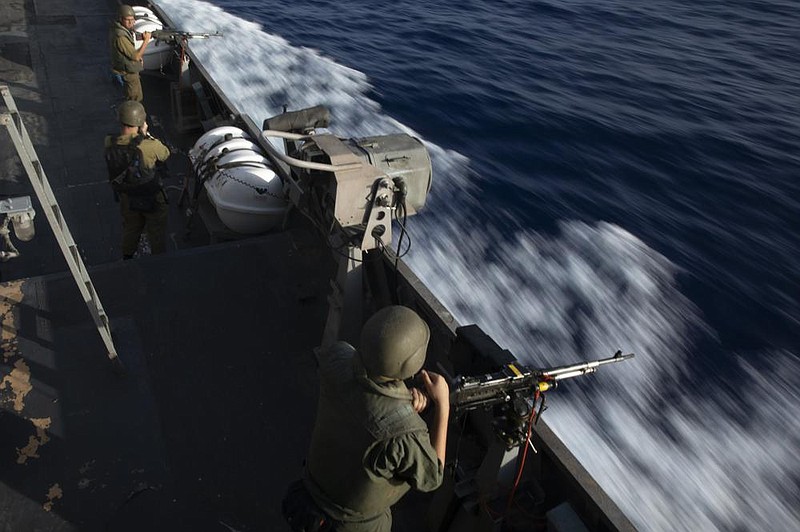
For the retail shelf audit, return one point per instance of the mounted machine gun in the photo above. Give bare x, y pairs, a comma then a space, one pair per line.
180, 36
518, 392
495, 402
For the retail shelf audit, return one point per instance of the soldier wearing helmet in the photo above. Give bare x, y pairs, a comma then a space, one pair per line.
126, 60
131, 158
370, 446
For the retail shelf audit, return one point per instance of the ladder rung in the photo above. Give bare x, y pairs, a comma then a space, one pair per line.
90, 288
57, 216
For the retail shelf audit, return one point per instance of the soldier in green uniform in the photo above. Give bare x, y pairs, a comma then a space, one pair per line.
131, 158
126, 60
370, 446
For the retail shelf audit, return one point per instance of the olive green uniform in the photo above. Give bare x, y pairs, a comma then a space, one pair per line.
123, 61
369, 446
134, 222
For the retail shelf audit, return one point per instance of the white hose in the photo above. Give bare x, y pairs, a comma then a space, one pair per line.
299, 163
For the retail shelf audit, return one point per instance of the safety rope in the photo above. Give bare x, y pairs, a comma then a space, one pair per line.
259, 190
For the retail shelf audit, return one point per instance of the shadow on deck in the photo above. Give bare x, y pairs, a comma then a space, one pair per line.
212, 420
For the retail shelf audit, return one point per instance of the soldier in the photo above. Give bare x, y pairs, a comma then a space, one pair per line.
131, 158
370, 446
126, 60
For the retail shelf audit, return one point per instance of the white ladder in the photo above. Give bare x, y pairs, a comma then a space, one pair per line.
19, 135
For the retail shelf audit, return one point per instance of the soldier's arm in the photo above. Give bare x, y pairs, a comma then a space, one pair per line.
162, 152
159, 150
143, 47
153, 151
409, 457
127, 48
437, 389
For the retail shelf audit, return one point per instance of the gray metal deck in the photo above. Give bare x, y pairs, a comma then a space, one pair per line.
212, 420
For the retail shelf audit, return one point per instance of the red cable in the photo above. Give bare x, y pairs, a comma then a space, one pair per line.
524, 453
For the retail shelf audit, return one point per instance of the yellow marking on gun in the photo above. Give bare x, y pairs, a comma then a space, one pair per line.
517, 372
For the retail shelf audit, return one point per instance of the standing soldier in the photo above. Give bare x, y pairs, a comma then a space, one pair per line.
370, 446
126, 60
131, 159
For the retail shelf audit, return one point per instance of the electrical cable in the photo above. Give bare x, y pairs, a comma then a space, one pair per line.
524, 451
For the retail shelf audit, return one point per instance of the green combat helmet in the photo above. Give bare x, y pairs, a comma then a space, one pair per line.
393, 344
131, 113
125, 11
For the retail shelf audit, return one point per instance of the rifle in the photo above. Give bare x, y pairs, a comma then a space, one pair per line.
518, 393
179, 36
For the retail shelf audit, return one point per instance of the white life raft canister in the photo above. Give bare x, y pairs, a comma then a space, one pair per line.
241, 185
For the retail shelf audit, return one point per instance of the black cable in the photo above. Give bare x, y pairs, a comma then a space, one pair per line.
401, 207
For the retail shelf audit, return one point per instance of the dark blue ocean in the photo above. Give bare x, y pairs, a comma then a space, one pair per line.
607, 175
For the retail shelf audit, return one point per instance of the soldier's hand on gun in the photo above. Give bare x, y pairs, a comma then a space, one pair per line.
419, 401
146, 36
436, 388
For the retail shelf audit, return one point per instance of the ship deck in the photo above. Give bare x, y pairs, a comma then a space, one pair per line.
212, 419
213, 416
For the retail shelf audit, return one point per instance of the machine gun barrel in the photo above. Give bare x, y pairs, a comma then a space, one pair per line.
576, 370
175, 36
515, 380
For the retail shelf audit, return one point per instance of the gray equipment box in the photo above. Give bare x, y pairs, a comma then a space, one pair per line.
399, 155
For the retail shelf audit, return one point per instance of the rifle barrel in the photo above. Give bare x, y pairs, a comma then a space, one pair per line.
168, 34
575, 370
